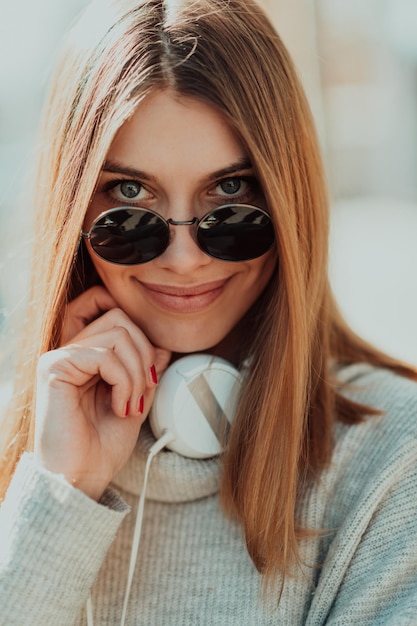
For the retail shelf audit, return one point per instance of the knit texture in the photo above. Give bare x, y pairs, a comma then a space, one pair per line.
193, 568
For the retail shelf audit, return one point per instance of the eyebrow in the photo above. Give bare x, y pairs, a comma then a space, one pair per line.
243, 164
117, 168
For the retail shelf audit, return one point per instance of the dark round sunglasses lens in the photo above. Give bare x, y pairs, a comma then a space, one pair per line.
236, 233
129, 236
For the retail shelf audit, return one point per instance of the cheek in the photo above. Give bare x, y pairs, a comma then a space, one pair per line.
111, 275
262, 271
246, 288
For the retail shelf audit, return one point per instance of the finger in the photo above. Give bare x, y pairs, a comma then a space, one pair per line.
134, 357
116, 318
84, 309
78, 366
92, 303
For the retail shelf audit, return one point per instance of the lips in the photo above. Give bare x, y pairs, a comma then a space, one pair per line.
185, 299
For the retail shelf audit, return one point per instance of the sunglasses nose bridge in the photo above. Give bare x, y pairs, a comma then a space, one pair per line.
192, 222
183, 252
182, 222
192, 231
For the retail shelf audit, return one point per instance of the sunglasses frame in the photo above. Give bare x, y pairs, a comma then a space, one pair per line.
195, 221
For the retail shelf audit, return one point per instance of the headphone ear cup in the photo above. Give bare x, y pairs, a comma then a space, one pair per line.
196, 401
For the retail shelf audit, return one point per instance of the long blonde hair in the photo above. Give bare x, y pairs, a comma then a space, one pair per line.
226, 53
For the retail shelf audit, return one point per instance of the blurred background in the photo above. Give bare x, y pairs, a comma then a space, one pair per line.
358, 63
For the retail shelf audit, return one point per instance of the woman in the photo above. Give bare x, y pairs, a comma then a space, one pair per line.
161, 112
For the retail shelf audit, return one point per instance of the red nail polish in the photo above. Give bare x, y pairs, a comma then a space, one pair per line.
153, 374
127, 409
140, 404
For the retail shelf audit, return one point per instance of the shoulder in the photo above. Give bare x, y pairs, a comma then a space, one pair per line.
394, 395
372, 461
375, 456
365, 499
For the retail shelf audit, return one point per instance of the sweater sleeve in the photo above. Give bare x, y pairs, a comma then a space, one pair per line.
370, 574
53, 540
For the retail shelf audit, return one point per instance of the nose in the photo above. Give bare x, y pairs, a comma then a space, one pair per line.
182, 254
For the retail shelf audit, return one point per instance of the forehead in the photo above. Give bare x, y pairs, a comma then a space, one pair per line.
170, 132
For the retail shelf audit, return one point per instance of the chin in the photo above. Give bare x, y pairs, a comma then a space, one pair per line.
186, 343
188, 336
188, 347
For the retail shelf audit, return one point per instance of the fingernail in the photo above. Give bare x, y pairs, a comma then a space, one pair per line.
140, 404
127, 409
153, 374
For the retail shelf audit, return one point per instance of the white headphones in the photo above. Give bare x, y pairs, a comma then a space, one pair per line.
196, 401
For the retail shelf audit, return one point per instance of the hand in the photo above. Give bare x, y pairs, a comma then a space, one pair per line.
94, 393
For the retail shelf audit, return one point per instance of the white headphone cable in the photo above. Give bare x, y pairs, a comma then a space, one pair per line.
165, 438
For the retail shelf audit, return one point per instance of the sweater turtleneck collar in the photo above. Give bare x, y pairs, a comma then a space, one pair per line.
172, 477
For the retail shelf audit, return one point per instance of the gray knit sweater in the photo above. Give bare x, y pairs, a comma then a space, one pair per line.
193, 568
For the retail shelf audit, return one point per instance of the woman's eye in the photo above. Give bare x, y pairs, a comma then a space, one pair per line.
231, 186
128, 190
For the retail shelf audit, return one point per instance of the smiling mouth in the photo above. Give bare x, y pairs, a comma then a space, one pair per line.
185, 299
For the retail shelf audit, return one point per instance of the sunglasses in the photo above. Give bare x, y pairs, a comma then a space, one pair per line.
130, 236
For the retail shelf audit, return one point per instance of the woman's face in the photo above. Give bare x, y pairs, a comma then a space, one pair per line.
178, 157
